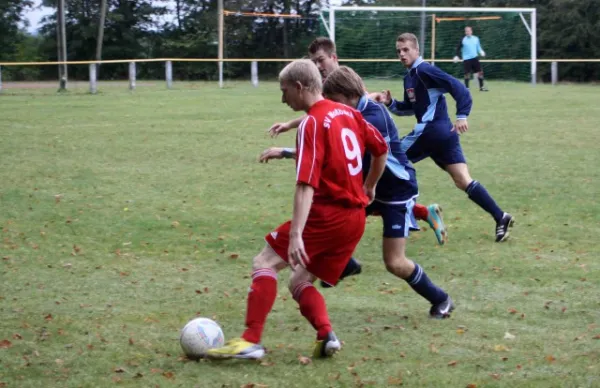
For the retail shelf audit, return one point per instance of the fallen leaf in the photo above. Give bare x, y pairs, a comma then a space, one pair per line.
234, 256
579, 337
563, 309
460, 331
17, 336
471, 385
119, 370
267, 363
496, 376
198, 291
509, 336
394, 380
48, 317
138, 375
452, 363
402, 354
5, 344
131, 341
550, 358
174, 224
433, 349
304, 360
501, 348
512, 311
335, 376
504, 358
596, 336
169, 375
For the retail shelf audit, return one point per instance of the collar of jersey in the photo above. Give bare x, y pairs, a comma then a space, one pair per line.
417, 63
362, 103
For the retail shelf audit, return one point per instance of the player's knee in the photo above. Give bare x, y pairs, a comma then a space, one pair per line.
267, 259
299, 276
461, 183
461, 178
398, 265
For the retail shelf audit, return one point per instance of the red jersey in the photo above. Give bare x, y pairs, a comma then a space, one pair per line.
330, 144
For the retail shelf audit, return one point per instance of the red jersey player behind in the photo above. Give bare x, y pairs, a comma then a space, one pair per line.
329, 211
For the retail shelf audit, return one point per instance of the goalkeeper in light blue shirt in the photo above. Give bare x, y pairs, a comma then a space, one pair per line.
469, 48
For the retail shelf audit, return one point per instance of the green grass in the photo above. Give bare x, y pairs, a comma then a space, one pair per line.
122, 216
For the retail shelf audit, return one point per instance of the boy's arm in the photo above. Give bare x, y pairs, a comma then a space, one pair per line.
278, 128
442, 80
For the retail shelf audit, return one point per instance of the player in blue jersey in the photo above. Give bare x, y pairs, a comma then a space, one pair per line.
469, 48
434, 135
396, 191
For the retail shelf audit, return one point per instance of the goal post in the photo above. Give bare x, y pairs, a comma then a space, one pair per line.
366, 34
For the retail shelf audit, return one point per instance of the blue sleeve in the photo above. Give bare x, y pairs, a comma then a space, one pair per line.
478, 46
439, 79
401, 108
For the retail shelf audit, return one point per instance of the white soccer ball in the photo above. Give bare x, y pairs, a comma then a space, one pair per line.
199, 335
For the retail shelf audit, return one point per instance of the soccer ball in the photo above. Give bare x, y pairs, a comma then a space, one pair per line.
199, 335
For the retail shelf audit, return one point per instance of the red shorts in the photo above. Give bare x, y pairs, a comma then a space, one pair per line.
330, 237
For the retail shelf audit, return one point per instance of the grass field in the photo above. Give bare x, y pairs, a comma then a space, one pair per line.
124, 215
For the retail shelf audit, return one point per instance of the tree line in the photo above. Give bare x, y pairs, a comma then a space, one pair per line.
189, 29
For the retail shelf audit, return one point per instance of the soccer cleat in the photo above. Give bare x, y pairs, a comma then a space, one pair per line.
436, 222
327, 347
238, 348
352, 268
442, 310
483, 89
503, 226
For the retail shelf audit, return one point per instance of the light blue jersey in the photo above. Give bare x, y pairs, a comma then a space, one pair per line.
469, 48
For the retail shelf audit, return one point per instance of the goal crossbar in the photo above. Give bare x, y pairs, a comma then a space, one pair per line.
432, 9
531, 28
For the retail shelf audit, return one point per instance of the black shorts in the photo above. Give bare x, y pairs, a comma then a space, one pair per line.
472, 65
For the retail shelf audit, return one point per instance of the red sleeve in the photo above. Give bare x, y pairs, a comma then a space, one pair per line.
310, 152
374, 142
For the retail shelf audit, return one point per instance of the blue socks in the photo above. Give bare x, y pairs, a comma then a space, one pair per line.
419, 281
478, 194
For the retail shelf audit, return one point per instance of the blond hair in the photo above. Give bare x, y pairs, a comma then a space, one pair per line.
303, 71
344, 81
408, 37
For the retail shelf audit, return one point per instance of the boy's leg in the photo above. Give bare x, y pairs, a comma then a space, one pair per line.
397, 222
450, 157
261, 297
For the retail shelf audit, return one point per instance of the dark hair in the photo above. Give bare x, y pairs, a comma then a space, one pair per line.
322, 43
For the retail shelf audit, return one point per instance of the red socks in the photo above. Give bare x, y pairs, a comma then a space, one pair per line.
420, 212
261, 297
313, 308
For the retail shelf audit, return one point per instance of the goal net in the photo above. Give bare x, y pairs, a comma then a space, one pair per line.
365, 38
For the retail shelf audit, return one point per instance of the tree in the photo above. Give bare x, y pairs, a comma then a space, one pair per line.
11, 15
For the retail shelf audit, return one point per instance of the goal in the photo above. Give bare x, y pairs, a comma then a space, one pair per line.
365, 38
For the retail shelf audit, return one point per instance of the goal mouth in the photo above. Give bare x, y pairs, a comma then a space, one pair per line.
365, 38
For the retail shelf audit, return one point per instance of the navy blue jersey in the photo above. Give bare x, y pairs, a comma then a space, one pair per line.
424, 88
399, 181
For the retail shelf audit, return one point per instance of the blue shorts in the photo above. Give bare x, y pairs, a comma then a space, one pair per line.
398, 217
433, 141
